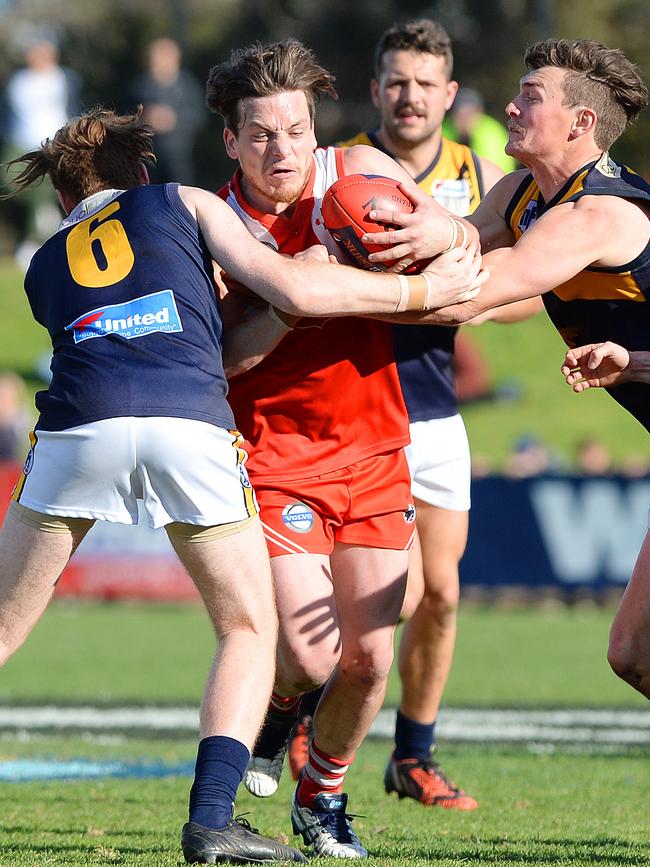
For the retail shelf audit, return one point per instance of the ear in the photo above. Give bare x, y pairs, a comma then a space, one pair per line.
230, 141
374, 92
65, 201
584, 122
143, 173
452, 90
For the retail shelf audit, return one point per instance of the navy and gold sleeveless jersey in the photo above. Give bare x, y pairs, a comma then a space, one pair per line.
424, 353
128, 298
598, 304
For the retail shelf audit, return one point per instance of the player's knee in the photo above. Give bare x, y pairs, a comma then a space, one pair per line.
307, 671
627, 662
367, 669
441, 603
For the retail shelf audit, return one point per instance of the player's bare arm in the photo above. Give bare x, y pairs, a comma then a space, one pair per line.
543, 258
308, 288
258, 330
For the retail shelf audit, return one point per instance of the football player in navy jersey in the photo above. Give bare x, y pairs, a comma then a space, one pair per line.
572, 227
125, 289
603, 365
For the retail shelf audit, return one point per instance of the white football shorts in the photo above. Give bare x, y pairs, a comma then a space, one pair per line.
439, 462
183, 470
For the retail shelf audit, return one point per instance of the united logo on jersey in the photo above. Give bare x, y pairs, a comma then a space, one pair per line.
136, 318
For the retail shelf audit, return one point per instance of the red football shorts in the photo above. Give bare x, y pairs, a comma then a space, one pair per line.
368, 503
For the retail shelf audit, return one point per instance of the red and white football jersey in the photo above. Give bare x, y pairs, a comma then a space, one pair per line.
328, 395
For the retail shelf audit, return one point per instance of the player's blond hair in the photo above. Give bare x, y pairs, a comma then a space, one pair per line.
599, 78
421, 34
266, 70
99, 150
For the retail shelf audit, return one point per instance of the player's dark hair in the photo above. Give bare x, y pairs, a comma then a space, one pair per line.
98, 151
422, 35
599, 78
265, 70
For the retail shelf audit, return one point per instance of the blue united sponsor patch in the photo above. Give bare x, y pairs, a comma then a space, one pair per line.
136, 318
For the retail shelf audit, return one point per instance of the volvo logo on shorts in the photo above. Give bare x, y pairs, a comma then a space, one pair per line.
409, 514
298, 517
135, 318
243, 477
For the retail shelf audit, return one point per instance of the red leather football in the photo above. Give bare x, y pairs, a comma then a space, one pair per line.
345, 208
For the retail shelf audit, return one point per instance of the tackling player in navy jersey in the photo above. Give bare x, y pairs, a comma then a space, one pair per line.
125, 289
573, 227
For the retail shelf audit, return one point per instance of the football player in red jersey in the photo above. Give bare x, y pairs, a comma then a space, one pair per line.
412, 90
325, 424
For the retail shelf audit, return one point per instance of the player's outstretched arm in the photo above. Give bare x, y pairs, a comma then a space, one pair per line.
603, 365
310, 288
564, 241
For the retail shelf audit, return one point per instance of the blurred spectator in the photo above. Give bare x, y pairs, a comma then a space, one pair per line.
468, 124
635, 466
529, 457
38, 99
472, 376
174, 106
593, 458
14, 418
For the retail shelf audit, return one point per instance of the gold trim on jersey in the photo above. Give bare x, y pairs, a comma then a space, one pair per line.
591, 285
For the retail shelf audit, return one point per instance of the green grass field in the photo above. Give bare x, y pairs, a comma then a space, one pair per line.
129, 653
539, 806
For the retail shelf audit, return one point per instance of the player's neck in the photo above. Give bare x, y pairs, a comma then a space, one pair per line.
415, 158
552, 173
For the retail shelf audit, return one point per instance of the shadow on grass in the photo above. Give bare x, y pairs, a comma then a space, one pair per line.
498, 850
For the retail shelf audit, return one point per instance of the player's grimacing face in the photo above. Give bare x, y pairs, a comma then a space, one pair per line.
274, 146
413, 93
539, 124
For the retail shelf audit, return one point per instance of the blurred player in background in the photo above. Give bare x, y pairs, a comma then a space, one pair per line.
137, 409
173, 106
412, 89
468, 123
325, 424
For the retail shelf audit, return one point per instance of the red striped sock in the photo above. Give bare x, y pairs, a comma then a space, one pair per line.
323, 773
